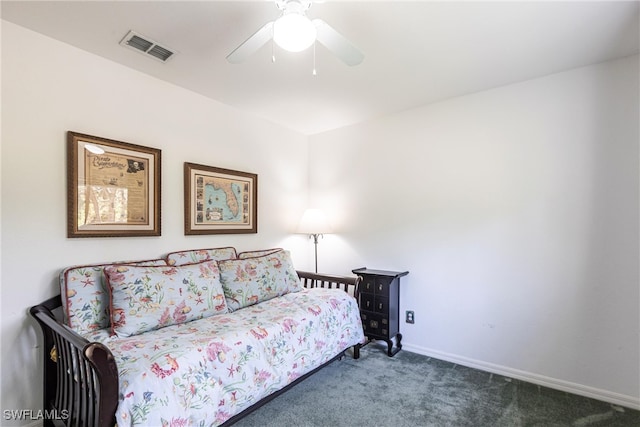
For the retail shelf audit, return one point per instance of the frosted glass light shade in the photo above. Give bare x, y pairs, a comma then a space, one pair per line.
294, 32
314, 221
93, 149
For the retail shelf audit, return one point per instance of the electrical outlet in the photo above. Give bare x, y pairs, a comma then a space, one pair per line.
410, 317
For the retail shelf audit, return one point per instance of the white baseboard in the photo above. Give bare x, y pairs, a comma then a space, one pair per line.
579, 389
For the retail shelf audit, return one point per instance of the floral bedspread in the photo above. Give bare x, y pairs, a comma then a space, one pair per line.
203, 372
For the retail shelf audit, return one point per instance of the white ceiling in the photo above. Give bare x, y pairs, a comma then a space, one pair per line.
416, 52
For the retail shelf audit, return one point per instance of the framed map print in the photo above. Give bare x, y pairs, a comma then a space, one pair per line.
219, 201
113, 188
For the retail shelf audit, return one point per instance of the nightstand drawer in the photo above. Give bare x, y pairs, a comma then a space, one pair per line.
367, 302
375, 324
368, 284
381, 304
376, 285
382, 285
371, 302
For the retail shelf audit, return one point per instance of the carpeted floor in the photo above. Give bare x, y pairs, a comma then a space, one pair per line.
413, 390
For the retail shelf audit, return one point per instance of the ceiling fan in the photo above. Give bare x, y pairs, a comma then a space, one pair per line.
295, 32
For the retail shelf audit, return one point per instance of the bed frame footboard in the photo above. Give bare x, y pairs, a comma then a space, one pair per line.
351, 285
80, 385
80, 377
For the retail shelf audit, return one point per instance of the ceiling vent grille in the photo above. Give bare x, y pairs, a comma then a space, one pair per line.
147, 46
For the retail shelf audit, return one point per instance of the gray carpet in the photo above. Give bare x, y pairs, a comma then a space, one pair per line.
413, 390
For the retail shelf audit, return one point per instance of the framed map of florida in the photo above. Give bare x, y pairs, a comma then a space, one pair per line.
219, 201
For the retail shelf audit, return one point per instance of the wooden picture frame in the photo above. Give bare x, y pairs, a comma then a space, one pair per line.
219, 201
113, 188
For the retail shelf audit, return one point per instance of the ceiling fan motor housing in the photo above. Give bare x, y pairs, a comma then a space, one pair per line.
293, 6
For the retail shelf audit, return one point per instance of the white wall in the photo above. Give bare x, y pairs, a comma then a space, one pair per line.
516, 212
49, 88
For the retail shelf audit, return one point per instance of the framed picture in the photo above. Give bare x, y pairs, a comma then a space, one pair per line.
219, 201
113, 188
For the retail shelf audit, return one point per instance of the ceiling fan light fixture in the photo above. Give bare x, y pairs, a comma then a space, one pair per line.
294, 32
93, 149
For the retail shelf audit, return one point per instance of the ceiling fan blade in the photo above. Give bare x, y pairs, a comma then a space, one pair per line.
252, 44
337, 43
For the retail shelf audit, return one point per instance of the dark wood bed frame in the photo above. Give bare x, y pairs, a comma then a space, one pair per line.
81, 377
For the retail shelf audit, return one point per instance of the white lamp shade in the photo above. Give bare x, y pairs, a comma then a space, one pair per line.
314, 221
294, 32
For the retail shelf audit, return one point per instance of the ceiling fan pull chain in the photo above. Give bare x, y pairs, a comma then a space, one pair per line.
314, 59
273, 54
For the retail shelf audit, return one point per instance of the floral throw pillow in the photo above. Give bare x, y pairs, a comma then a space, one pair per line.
198, 255
148, 298
252, 280
261, 252
85, 297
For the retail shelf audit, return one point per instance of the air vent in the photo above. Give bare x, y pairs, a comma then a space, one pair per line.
146, 46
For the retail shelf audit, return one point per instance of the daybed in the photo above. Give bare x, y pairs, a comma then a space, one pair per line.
198, 338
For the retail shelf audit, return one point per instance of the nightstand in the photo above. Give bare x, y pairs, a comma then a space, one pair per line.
379, 300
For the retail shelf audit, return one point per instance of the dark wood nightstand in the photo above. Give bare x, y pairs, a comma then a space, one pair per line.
379, 301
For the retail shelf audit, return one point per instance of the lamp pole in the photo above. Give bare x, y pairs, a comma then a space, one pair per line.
314, 224
315, 245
